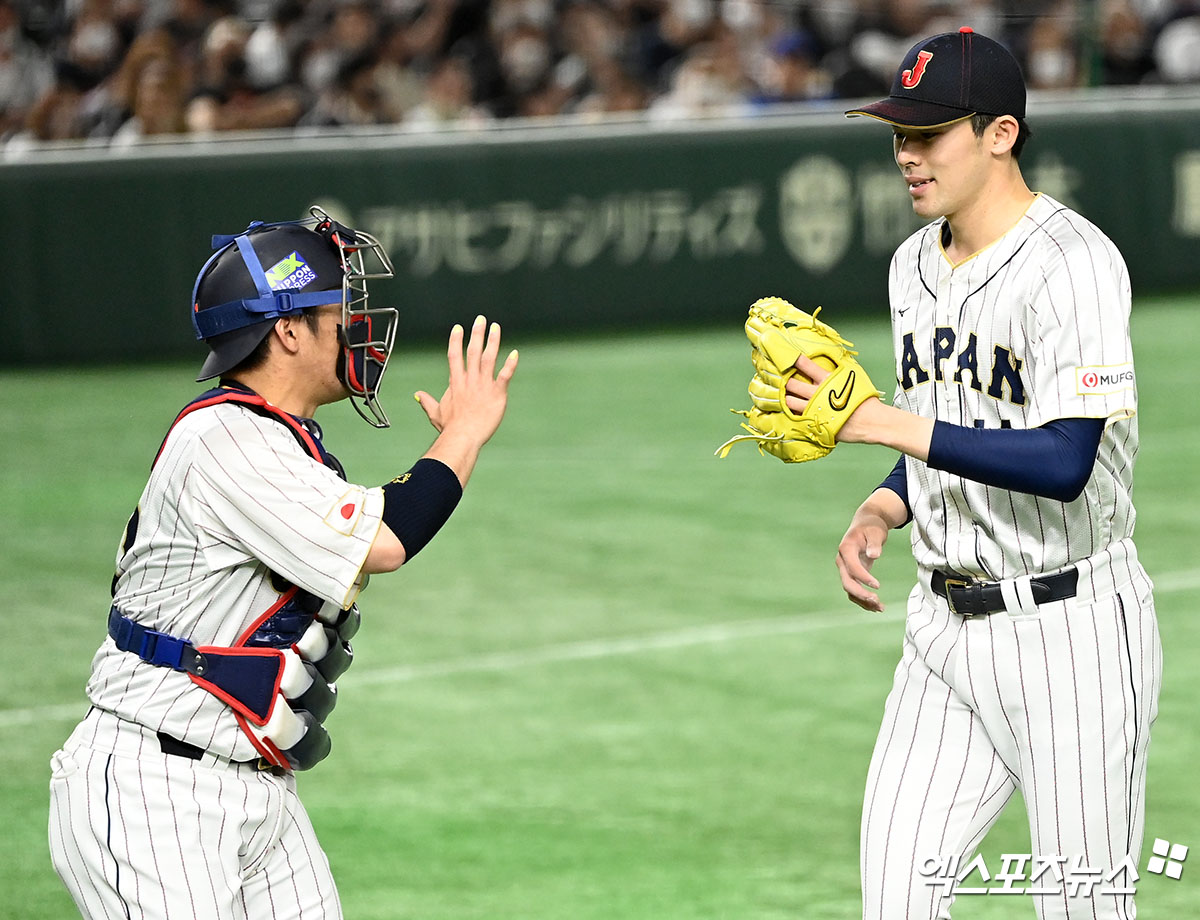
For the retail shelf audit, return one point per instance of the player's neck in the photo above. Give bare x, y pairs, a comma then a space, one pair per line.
280, 390
988, 216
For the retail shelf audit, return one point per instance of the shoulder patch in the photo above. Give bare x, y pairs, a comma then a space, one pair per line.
345, 511
1104, 380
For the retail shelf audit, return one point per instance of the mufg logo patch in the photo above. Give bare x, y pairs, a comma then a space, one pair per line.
1104, 380
290, 272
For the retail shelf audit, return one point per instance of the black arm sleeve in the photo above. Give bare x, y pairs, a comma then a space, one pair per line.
897, 481
1053, 461
418, 503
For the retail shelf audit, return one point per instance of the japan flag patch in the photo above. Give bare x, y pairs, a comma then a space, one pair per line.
344, 514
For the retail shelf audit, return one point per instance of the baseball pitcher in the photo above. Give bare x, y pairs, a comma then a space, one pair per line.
1031, 656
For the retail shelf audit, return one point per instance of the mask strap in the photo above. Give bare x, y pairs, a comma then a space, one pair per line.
250, 257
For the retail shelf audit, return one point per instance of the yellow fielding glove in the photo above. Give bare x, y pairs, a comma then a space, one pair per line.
779, 333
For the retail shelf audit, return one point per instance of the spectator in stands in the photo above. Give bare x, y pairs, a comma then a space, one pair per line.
1124, 45
448, 98
525, 60
704, 84
614, 90
223, 51
399, 69
594, 55
157, 103
1177, 46
116, 108
76, 70
349, 31
425, 31
1051, 55
226, 98
25, 71
685, 23
793, 72
184, 27
271, 48
94, 45
352, 99
59, 115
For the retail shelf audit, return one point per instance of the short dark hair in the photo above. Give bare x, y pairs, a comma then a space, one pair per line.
258, 357
980, 121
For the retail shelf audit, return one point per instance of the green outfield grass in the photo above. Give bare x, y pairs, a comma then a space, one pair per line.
623, 683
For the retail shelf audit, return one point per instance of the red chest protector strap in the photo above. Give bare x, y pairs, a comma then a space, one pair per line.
220, 395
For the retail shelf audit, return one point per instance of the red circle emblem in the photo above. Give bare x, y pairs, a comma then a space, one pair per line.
1090, 379
348, 511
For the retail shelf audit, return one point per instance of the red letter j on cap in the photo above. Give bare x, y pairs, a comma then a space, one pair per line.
911, 78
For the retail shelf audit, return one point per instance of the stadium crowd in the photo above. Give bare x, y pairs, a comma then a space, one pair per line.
115, 71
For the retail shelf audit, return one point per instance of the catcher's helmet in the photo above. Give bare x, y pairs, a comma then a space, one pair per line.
273, 270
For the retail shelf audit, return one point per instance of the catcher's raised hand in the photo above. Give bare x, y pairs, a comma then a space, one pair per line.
476, 396
473, 405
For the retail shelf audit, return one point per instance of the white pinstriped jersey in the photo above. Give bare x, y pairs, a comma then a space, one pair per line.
1031, 329
232, 498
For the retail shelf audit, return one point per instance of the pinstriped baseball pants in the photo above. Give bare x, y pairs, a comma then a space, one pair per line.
137, 834
1054, 700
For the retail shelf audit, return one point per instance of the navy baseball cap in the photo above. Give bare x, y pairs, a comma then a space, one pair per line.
950, 77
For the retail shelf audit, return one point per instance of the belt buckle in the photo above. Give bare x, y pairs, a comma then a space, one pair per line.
262, 765
951, 583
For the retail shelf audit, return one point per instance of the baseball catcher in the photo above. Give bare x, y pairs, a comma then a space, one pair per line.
234, 596
796, 416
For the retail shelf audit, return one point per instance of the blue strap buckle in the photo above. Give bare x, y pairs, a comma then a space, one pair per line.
154, 647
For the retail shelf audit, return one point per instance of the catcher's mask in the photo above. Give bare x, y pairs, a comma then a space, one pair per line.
272, 270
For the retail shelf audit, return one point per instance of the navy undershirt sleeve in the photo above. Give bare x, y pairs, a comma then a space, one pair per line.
1053, 461
897, 481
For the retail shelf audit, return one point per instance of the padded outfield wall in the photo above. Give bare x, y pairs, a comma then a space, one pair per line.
554, 229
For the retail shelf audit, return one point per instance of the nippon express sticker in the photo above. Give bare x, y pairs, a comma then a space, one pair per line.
1103, 381
290, 272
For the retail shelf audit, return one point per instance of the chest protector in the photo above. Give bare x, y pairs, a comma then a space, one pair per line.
278, 677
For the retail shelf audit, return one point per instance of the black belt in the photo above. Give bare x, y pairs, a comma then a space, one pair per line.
179, 748
171, 745
978, 598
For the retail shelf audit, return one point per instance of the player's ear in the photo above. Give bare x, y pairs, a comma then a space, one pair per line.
1002, 134
285, 333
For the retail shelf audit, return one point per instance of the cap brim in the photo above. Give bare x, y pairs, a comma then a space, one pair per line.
912, 113
232, 348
